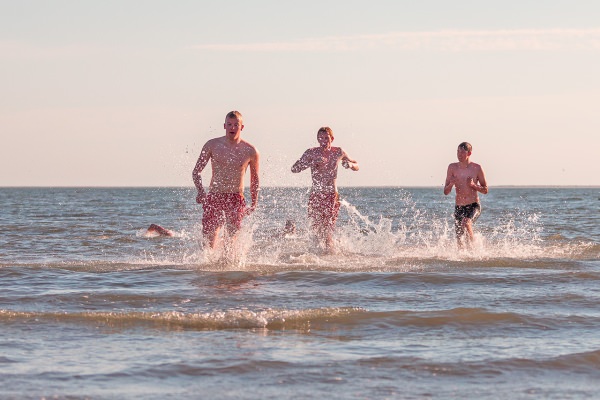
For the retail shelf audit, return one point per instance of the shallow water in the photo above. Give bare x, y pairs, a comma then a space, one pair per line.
91, 307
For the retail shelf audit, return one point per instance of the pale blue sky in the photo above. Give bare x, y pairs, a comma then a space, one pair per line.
125, 93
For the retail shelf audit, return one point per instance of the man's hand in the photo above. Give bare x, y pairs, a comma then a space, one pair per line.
472, 183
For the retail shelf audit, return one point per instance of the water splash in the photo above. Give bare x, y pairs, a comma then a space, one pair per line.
405, 235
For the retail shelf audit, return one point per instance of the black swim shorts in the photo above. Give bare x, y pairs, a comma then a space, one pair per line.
471, 211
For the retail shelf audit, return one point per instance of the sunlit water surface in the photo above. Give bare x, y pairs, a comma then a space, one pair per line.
91, 306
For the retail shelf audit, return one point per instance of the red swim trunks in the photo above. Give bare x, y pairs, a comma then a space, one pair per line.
323, 209
221, 208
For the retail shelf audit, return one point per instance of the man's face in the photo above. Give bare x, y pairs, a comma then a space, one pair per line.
233, 128
462, 154
324, 139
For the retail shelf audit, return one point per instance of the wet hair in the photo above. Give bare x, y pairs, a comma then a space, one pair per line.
326, 129
465, 146
235, 114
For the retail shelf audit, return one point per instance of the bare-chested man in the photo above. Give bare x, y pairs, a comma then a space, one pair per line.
230, 157
468, 180
323, 203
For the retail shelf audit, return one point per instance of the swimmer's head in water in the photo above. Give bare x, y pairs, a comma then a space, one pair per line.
290, 226
158, 230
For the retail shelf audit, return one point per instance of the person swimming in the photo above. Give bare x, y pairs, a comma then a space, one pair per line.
289, 229
157, 230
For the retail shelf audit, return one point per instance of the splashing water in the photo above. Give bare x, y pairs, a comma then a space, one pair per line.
392, 230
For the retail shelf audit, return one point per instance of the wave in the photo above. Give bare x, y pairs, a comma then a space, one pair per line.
328, 318
215, 320
572, 363
582, 363
310, 261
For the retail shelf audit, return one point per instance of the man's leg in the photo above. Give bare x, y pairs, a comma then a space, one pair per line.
459, 229
328, 236
331, 218
212, 219
234, 211
467, 226
210, 237
473, 212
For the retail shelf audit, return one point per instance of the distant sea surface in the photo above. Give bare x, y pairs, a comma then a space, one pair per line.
92, 306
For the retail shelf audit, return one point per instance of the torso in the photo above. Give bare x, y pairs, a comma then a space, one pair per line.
229, 161
324, 169
465, 194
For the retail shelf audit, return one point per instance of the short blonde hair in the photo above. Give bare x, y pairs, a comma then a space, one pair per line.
235, 114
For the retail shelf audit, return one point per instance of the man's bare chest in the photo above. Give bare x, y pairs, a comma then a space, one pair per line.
465, 172
232, 159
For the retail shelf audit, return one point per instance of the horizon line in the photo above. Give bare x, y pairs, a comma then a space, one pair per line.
541, 186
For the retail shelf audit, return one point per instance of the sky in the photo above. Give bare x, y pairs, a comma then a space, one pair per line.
125, 93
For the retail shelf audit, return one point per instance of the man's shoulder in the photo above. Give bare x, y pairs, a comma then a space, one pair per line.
248, 145
214, 141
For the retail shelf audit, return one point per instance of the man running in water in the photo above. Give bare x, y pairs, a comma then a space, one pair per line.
230, 157
323, 203
468, 180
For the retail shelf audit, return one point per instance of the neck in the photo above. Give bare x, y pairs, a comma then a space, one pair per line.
233, 139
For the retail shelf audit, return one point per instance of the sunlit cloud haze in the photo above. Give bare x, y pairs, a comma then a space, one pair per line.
125, 93
446, 40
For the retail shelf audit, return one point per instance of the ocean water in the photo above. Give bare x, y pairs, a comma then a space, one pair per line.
91, 306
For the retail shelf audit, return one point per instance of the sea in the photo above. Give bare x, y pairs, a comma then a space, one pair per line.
93, 306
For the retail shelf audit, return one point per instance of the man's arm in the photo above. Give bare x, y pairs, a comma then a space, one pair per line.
347, 162
449, 181
205, 155
254, 180
482, 186
304, 162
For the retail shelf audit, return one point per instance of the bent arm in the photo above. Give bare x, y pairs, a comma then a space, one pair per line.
254, 180
347, 162
449, 182
304, 162
205, 155
482, 187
